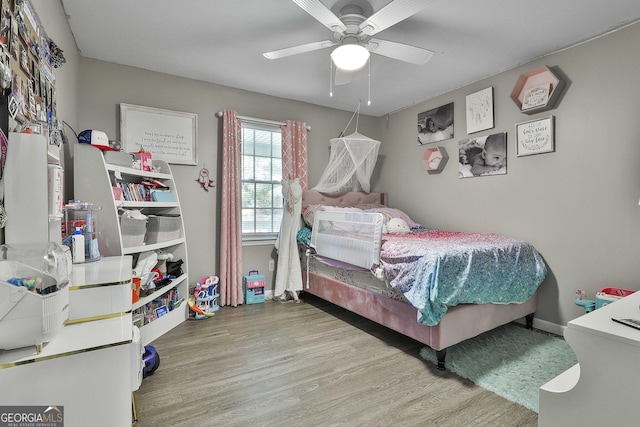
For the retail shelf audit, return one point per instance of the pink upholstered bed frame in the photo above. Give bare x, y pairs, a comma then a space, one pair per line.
459, 323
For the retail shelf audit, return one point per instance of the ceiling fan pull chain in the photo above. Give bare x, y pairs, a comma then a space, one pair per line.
330, 77
369, 101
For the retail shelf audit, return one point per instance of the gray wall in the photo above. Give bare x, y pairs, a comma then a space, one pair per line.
104, 86
54, 21
578, 205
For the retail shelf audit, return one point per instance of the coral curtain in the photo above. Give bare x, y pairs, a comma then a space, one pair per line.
231, 212
294, 151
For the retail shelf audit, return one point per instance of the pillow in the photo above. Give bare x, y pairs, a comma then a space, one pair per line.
341, 209
365, 206
308, 212
397, 226
395, 213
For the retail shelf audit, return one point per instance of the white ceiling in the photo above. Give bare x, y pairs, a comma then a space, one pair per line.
222, 41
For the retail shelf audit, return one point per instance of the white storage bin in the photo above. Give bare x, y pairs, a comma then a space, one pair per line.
119, 158
162, 228
133, 227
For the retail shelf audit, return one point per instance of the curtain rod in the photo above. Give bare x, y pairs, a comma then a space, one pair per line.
262, 121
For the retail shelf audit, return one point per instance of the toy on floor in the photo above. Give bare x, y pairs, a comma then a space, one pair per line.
204, 301
151, 360
604, 297
581, 300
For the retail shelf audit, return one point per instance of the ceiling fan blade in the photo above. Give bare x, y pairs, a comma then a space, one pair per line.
391, 14
400, 51
322, 14
295, 50
342, 77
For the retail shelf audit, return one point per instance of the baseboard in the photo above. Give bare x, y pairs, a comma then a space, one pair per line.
543, 325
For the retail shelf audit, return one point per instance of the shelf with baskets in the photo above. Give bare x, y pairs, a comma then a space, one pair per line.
158, 226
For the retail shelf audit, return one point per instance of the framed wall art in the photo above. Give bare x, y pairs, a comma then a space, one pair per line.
535, 137
482, 156
479, 108
538, 90
167, 135
435, 125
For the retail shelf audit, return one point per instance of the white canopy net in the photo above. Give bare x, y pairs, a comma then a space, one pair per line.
353, 158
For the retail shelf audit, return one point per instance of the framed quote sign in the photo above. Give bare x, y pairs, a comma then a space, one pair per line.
167, 135
535, 137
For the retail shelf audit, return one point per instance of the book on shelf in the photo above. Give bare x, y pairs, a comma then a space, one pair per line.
134, 192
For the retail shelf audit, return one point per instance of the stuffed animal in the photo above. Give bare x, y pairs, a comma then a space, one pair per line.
397, 226
163, 257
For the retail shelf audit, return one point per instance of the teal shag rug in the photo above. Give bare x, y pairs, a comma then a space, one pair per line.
511, 361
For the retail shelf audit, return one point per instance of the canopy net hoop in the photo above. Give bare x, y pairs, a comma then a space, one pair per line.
351, 163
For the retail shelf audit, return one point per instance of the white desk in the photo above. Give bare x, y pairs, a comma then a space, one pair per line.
602, 389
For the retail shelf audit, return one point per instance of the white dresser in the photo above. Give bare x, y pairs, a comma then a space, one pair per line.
602, 389
92, 366
85, 369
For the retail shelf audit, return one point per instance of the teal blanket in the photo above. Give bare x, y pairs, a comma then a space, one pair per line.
439, 269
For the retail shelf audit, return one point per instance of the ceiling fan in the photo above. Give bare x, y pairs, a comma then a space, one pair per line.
353, 33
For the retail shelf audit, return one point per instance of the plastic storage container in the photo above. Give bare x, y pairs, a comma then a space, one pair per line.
33, 292
608, 295
83, 215
253, 287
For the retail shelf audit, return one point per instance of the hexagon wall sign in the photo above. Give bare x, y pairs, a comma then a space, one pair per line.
435, 159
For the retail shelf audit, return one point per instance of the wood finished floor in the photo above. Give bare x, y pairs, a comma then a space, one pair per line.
308, 364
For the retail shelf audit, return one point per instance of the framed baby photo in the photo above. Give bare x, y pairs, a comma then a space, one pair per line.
535, 137
483, 156
436, 124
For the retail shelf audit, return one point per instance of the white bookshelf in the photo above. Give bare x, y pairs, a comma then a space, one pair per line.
93, 182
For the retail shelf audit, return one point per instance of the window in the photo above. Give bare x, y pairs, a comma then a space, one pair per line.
261, 181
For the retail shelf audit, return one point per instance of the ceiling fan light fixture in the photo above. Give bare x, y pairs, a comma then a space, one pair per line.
350, 57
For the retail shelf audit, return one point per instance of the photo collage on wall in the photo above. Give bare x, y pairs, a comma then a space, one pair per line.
479, 156
27, 60
535, 91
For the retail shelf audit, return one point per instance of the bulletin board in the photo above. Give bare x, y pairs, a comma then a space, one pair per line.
28, 58
167, 135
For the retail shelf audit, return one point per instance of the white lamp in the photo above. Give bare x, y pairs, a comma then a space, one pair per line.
350, 57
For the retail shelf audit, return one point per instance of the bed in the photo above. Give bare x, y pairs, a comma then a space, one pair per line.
355, 289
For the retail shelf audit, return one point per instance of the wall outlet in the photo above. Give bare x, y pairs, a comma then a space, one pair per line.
272, 265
